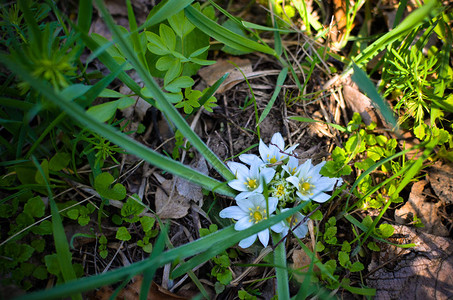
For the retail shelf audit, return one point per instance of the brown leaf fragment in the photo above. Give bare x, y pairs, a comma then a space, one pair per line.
427, 212
213, 72
360, 103
301, 264
422, 272
132, 292
169, 203
441, 178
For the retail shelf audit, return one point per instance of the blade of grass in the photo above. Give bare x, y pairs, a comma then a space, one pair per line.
84, 16
365, 84
168, 109
64, 257
308, 120
280, 80
224, 35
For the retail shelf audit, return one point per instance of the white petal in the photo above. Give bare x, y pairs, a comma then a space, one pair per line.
272, 204
315, 170
233, 212
301, 230
237, 168
264, 237
291, 149
279, 227
321, 197
267, 174
247, 242
250, 159
264, 151
325, 184
243, 224
238, 185
257, 200
294, 180
304, 168
277, 140
244, 204
303, 197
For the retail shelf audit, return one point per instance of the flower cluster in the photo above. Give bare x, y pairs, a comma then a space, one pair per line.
277, 169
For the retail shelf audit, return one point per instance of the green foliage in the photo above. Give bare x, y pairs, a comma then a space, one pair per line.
102, 185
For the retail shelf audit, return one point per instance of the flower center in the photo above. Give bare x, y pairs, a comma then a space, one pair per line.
251, 183
257, 214
304, 187
293, 219
280, 190
273, 160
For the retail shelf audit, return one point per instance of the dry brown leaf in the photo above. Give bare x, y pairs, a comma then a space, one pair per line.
169, 203
427, 212
441, 178
301, 263
213, 73
360, 103
132, 292
173, 196
421, 272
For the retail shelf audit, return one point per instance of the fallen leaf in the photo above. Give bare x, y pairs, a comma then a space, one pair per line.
169, 203
132, 291
441, 178
427, 212
360, 103
213, 72
421, 272
301, 264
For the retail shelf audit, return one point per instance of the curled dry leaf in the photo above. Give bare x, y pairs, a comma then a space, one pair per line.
419, 206
421, 272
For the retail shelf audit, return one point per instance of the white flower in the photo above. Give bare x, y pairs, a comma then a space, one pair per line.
249, 181
311, 185
291, 222
275, 152
250, 211
291, 166
271, 154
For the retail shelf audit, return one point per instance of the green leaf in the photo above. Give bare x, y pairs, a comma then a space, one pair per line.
385, 230
356, 267
103, 112
373, 246
343, 258
147, 223
180, 24
51, 261
40, 273
168, 36
155, 44
35, 207
102, 185
148, 248
346, 247
38, 244
182, 82
73, 213
59, 161
224, 35
122, 234
164, 63
132, 207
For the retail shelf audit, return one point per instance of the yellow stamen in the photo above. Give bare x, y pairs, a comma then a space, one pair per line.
257, 216
305, 186
273, 160
251, 183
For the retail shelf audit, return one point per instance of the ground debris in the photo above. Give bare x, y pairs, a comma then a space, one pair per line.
421, 272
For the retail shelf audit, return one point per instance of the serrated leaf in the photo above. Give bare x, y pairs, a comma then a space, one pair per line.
346, 247
102, 185
123, 234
